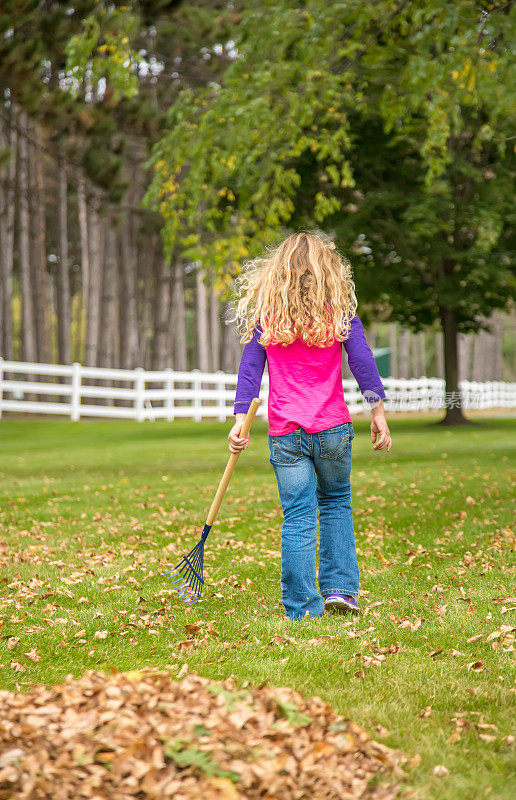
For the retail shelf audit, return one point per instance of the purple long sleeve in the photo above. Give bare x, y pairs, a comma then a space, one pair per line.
360, 360
250, 373
362, 364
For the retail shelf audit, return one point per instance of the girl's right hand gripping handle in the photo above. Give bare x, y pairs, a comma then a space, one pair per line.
228, 472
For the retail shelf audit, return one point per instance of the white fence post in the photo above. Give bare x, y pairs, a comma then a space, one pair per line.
168, 385
139, 390
75, 398
197, 402
1, 383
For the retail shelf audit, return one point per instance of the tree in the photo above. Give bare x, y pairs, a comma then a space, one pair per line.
7, 232
28, 336
386, 121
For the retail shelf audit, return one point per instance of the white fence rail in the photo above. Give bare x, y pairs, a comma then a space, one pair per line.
75, 391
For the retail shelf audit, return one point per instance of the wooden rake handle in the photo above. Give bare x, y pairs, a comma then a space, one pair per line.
230, 468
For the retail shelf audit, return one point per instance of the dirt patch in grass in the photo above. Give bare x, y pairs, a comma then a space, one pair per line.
144, 735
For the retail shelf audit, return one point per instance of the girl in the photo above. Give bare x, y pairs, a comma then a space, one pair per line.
296, 308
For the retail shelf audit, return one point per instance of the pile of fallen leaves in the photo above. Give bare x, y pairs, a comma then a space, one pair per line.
144, 735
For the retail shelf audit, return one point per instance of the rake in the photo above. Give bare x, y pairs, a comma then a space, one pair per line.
187, 575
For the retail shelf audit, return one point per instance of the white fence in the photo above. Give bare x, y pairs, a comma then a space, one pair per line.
75, 391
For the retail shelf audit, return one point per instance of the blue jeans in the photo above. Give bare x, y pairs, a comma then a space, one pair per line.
313, 472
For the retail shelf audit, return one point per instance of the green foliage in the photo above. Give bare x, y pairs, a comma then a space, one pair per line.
184, 754
102, 49
293, 715
386, 119
230, 698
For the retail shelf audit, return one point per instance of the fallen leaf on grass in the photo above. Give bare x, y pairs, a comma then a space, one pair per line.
434, 653
475, 638
441, 770
501, 632
12, 642
193, 627
324, 638
382, 557
186, 646
475, 666
381, 731
281, 641
412, 625
33, 655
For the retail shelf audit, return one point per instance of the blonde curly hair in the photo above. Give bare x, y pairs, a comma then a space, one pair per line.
302, 289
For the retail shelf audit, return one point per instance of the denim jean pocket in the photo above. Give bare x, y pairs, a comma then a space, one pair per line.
285, 449
335, 441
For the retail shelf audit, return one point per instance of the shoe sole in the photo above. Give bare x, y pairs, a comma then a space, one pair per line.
340, 606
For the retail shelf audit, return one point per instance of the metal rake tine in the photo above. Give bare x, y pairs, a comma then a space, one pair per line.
195, 600
173, 574
177, 579
185, 588
187, 598
175, 569
182, 587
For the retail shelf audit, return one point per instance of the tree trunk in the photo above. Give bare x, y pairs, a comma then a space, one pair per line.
403, 354
214, 329
454, 415
178, 318
371, 335
128, 307
40, 282
63, 279
107, 344
231, 347
7, 246
497, 346
481, 366
414, 356
161, 357
82, 209
393, 346
439, 354
465, 351
147, 261
422, 352
28, 333
94, 284
203, 362
2, 240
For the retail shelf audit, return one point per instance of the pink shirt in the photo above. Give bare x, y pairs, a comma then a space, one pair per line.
305, 388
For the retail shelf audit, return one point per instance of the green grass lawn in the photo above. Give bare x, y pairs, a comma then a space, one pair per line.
92, 515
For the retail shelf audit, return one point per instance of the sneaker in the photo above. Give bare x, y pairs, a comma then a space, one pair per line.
341, 603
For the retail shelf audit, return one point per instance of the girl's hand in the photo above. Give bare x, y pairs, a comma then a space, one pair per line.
380, 428
236, 442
